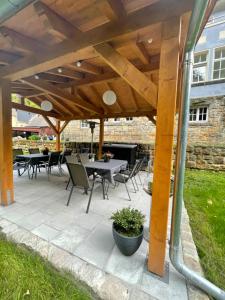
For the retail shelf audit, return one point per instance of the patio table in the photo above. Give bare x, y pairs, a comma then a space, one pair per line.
109, 168
33, 160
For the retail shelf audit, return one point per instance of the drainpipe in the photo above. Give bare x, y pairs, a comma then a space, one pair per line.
196, 21
8, 8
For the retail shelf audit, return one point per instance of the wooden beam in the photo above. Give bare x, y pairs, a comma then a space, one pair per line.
21, 42
142, 52
7, 58
85, 67
151, 118
101, 138
66, 73
58, 146
54, 23
64, 108
67, 51
166, 108
6, 158
64, 126
34, 110
67, 97
137, 80
112, 9
53, 78
53, 127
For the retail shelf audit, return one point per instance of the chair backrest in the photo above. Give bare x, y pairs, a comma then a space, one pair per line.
140, 164
78, 175
33, 151
85, 150
64, 154
73, 159
54, 158
84, 158
133, 172
17, 152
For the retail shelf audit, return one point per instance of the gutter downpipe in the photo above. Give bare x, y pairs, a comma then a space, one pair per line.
197, 18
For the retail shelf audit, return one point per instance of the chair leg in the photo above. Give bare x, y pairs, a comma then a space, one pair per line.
68, 201
103, 187
68, 183
127, 191
133, 185
140, 179
89, 201
136, 183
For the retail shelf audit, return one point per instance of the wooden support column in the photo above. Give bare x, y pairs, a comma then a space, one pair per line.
57, 135
166, 107
101, 138
6, 158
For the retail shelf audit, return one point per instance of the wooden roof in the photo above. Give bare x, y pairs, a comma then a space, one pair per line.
117, 43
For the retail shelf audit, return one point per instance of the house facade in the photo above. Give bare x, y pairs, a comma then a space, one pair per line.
207, 112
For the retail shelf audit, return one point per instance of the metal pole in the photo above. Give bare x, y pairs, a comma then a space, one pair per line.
194, 27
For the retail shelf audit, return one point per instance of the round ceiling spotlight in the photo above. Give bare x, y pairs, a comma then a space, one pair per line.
109, 97
150, 41
59, 70
36, 76
46, 105
78, 63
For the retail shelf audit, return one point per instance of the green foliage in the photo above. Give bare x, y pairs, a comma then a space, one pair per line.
205, 203
25, 275
34, 137
128, 221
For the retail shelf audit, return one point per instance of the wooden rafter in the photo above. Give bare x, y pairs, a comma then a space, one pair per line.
136, 79
21, 42
64, 108
33, 110
66, 51
142, 52
85, 67
67, 97
63, 72
51, 125
112, 9
63, 126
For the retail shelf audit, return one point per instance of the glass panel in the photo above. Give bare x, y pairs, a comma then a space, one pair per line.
203, 57
223, 52
216, 75
216, 65
217, 53
222, 73
196, 59
223, 64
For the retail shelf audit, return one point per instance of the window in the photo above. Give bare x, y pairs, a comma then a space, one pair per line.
219, 63
116, 119
200, 67
202, 40
198, 114
129, 119
222, 34
84, 124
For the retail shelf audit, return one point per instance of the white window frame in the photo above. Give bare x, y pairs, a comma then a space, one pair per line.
117, 121
217, 59
198, 113
129, 121
206, 63
84, 124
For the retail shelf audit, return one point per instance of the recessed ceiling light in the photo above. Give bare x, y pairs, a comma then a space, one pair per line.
150, 41
78, 63
36, 77
59, 70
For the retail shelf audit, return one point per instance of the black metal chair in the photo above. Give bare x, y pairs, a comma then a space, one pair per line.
54, 160
19, 163
65, 153
34, 151
124, 178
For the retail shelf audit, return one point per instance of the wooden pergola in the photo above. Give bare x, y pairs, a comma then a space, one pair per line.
70, 52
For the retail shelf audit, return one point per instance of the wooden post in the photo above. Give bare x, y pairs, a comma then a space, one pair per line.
6, 157
101, 138
57, 135
166, 107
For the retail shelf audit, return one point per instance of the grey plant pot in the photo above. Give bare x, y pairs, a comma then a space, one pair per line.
127, 245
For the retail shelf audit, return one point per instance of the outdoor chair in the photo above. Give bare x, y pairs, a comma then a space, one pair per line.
53, 161
19, 163
79, 178
71, 159
63, 156
33, 151
123, 178
84, 158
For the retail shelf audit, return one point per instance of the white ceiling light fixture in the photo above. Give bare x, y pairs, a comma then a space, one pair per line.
109, 97
59, 70
46, 105
36, 77
150, 41
78, 63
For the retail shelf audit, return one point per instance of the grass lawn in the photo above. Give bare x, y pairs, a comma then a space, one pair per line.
205, 203
25, 275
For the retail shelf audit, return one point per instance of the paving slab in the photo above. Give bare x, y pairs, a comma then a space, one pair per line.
46, 232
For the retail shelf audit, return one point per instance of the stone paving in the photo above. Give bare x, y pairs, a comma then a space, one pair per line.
83, 243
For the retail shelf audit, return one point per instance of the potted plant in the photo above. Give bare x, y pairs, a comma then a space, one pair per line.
128, 230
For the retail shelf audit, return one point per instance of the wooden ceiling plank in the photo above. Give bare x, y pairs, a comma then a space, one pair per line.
7, 58
136, 79
21, 42
142, 52
66, 51
60, 110
85, 67
67, 97
52, 78
112, 9
100, 101
54, 23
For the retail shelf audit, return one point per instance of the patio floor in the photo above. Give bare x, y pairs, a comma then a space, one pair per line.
40, 209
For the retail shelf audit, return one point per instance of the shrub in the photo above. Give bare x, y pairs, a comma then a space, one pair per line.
34, 137
128, 221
